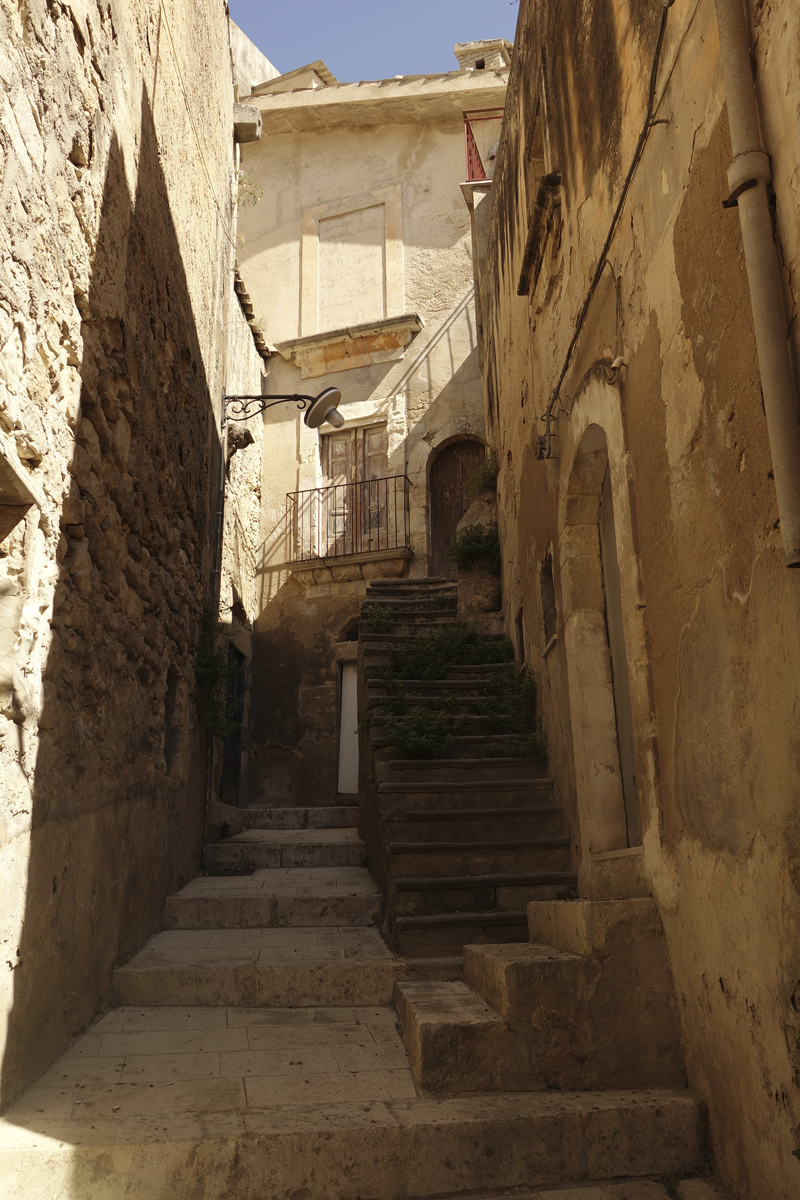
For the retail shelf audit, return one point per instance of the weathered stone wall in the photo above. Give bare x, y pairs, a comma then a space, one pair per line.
296, 692
710, 610
117, 163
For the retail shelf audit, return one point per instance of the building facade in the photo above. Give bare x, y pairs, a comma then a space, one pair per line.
647, 498
358, 261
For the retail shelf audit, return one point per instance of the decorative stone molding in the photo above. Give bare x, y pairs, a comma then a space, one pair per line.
390, 199
351, 568
357, 346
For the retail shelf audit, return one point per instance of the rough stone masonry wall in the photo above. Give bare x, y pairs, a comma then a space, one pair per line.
116, 171
711, 612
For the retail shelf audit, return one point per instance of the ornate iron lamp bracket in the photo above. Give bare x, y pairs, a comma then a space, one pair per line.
241, 408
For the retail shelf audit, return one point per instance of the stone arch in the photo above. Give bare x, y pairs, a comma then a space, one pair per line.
596, 452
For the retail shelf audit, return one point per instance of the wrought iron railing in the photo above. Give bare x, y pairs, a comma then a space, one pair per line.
348, 518
482, 134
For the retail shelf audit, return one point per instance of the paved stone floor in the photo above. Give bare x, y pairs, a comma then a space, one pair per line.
149, 1060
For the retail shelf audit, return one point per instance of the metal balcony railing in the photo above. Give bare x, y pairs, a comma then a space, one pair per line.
348, 518
482, 134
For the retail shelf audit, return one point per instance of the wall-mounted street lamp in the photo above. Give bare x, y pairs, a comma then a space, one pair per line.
319, 410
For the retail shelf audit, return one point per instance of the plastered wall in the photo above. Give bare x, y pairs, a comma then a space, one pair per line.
117, 163
710, 610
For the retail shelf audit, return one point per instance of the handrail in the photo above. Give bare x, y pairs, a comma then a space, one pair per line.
342, 519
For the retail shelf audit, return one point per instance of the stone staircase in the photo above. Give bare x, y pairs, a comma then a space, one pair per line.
460, 843
587, 1003
253, 1052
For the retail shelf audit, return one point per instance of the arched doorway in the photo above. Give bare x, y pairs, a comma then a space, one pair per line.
450, 490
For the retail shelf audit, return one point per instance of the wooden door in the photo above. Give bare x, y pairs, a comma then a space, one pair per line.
619, 665
451, 493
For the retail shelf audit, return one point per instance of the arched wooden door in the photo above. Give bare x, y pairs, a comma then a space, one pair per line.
452, 482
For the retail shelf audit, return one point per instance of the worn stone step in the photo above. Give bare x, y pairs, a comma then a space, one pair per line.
172, 1143
434, 793
457, 1043
467, 771
508, 977
326, 896
484, 825
469, 897
413, 605
341, 816
410, 582
427, 896
297, 967
476, 860
589, 1024
434, 935
476, 845
466, 688
613, 1189
287, 848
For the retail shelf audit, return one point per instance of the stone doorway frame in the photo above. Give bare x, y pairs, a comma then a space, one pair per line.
594, 439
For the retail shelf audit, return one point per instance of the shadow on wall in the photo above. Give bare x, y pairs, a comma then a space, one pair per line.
117, 790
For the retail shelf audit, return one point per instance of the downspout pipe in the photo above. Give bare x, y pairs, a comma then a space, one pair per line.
748, 177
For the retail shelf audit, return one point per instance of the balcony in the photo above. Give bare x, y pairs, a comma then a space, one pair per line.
482, 136
350, 531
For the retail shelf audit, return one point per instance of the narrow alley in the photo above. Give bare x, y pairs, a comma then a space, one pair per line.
399, 614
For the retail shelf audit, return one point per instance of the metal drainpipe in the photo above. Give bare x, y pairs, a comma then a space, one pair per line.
748, 176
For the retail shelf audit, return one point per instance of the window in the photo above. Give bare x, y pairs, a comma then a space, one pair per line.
357, 497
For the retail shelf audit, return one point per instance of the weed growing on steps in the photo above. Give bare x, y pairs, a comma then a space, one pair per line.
444, 602
475, 544
377, 619
425, 727
429, 655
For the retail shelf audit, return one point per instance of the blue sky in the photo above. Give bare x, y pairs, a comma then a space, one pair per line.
371, 39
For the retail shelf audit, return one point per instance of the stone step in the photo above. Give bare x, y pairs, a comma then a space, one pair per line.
589, 1024
342, 816
232, 1138
460, 825
448, 933
287, 848
691, 1188
434, 793
465, 776
488, 893
416, 581
411, 605
466, 745
457, 1043
438, 860
295, 967
305, 896
467, 688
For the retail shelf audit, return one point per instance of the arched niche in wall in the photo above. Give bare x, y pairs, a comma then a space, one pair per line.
607, 667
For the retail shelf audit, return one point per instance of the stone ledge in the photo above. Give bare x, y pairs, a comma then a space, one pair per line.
352, 568
356, 346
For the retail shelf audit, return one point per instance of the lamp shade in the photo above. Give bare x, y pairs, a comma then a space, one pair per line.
324, 409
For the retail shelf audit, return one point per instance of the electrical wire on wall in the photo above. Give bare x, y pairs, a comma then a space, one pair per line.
647, 125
